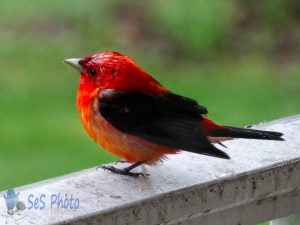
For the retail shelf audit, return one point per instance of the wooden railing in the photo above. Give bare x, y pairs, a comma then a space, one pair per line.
261, 182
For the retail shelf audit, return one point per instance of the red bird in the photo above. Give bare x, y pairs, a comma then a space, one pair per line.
133, 116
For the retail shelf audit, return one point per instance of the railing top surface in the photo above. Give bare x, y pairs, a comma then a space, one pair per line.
102, 193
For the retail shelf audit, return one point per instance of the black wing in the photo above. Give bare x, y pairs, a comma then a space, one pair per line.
171, 121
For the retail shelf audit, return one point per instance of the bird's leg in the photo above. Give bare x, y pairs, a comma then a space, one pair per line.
126, 170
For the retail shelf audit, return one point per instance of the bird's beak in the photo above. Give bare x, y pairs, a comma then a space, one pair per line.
75, 63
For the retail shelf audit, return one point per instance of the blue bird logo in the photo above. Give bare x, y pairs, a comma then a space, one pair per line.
12, 202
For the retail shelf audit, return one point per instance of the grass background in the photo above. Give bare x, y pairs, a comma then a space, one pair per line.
243, 65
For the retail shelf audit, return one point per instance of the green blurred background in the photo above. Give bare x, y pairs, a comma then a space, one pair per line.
238, 58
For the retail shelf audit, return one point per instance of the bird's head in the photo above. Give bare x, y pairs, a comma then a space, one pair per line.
112, 70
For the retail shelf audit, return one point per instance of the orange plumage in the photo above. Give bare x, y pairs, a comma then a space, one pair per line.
132, 115
126, 146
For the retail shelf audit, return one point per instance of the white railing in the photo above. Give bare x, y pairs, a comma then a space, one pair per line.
260, 182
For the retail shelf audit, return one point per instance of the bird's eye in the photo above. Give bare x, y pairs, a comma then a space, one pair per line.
93, 72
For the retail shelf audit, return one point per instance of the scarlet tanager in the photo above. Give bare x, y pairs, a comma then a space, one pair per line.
130, 114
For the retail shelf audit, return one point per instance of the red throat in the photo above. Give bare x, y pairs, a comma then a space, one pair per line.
86, 93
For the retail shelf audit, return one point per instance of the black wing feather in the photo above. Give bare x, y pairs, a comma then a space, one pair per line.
171, 121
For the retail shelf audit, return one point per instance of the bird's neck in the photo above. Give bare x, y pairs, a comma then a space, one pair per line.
86, 94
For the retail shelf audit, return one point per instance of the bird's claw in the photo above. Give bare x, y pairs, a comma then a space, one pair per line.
123, 171
120, 161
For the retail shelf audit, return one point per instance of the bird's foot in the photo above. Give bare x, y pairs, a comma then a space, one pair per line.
124, 171
120, 161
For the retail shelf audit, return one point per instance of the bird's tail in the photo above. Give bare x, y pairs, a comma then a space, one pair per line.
214, 130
